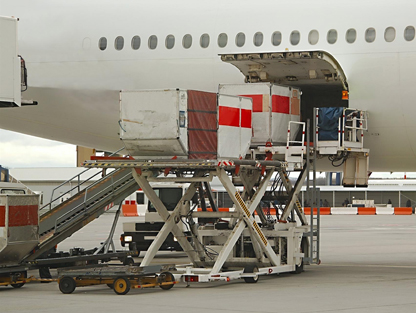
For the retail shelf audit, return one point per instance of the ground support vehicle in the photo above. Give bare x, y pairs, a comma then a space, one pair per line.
119, 278
233, 245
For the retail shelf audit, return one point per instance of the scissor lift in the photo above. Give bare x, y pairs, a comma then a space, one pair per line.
238, 247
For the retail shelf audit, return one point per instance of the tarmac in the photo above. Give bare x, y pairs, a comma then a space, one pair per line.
368, 265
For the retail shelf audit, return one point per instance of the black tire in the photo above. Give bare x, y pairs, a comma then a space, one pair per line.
20, 285
299, 268
251, 269
303, 247
128, 261
166, 277
67, 285
121, 285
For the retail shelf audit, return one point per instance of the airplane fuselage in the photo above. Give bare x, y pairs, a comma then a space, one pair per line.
76, 83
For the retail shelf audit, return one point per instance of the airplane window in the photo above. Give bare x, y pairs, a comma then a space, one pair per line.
313, 37
370, 34
332, 36
294, 37
187, 41
135, 42
351, 35
222, 40
153, 42
170, 41
240, 39
102, 43
390, 34
204, 42
258, 39
119, 43
276, 38
409, 33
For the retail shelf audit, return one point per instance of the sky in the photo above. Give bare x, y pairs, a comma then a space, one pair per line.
18, 150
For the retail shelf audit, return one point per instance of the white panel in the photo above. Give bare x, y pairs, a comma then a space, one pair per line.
228, 142
280, 123
228, 136
9, 62
149, 114
344, 210
281, 91
384, 210
244, 89
150, 123
261, 127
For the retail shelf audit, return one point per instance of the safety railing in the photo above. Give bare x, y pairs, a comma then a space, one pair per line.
97, 195
295, 149
351, 125
77, 187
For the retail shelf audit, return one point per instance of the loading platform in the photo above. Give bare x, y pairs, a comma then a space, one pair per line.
235, 244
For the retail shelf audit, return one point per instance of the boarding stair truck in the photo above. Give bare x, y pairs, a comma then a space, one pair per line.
26, 237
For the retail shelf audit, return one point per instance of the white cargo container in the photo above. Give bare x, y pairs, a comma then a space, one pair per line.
273, 107
185, 123
10, 89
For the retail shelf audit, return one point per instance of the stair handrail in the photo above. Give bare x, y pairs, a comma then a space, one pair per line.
85, 198
77, 186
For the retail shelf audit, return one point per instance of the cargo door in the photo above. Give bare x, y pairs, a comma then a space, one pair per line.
202, 125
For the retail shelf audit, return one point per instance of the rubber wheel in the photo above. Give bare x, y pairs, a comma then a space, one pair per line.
128, 261
299, 268
20, 285
67, 284
251, 269
121, 285
166, 277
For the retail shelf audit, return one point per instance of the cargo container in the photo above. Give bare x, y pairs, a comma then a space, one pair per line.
19, 222
273, 107
187, 124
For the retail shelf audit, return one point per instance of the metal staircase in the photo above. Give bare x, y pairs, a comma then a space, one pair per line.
60, 222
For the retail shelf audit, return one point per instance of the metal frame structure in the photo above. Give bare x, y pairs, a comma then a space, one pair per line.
218, 253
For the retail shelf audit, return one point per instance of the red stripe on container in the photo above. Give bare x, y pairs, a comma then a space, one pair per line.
229, 116
23, 215
2, 216
280, 104
245, 118
257, 102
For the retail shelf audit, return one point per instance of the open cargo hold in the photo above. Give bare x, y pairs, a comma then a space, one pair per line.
185, 123
19, 222
273, 107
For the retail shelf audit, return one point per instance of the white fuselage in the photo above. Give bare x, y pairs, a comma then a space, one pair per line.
77, 84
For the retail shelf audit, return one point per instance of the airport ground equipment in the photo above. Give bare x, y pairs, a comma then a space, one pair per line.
27, 240
339, 134
185, 124
119, 278
226, 249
